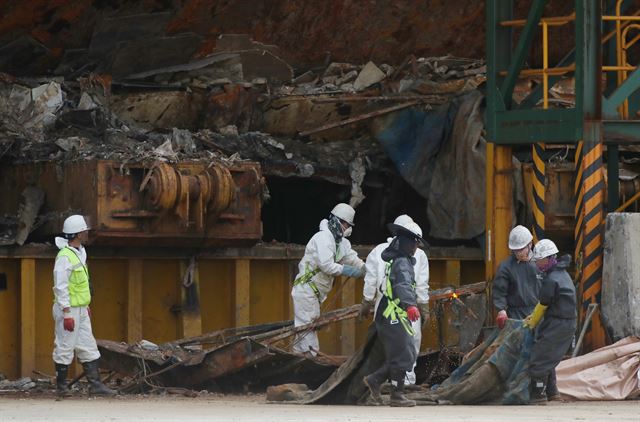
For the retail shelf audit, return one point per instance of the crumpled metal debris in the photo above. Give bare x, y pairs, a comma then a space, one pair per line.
357, 171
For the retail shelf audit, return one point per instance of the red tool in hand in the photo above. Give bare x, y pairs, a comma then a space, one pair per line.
413, 313
501, 319
69, 323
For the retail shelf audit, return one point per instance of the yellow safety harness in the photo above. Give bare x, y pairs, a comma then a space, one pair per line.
309, 273
393, 311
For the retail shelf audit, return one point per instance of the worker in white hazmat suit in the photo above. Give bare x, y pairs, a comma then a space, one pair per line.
71, 312
328, 254
375, 278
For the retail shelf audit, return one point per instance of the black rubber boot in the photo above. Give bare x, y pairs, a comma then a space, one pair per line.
552, 388
96, 386
62, 388
397, 394
537, 391
374, 382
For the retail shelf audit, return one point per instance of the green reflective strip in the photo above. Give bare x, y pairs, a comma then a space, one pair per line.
306, 279
393, 310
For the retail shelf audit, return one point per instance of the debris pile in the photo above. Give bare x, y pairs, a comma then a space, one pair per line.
234, 359
256, 357
345, 385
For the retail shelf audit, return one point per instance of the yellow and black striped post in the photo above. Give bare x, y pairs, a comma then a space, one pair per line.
538, 191
579, 208
592, 225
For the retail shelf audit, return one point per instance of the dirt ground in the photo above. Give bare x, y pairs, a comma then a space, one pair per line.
254, 408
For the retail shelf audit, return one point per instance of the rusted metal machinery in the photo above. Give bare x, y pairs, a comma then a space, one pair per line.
185, 204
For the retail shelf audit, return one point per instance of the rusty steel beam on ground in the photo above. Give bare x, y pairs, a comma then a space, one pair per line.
229, 334
322, 321
358, 118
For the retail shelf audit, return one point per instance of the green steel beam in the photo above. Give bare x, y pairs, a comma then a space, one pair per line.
530, 126
624, 91
522, 50
588, 60
499, 47
621, 131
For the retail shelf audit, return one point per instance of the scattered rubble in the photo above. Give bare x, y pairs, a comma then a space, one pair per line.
22, 384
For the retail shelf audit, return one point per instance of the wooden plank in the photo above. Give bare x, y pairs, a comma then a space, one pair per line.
134, 301
27, 317
242, 292
190, 316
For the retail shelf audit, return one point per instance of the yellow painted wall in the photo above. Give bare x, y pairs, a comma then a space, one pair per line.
269, 301
160, 291
270, 291
9, 315
216, 294
44, 317
109, 303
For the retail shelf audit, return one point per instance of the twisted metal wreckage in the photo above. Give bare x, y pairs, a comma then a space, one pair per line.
256, 357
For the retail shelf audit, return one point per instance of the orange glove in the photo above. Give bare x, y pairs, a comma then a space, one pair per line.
413, 313
501, 319
69, 323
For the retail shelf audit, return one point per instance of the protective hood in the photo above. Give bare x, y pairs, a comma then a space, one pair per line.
563, 262
393, 252
61, 242
324, 225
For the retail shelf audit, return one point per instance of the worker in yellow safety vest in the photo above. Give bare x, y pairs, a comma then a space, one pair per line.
71, 312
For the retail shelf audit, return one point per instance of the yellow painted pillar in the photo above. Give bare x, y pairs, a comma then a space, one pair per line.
27, 316
134, 301
499, 210
348, 327
242, 292
190, 316
453, 272
499, 206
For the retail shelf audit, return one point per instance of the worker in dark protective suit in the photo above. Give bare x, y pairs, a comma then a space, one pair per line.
516, 285
558, 307
396, 311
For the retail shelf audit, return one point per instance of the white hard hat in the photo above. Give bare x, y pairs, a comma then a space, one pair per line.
413, 227
74, 224
344, 212
403, 220
519, 237
544, 248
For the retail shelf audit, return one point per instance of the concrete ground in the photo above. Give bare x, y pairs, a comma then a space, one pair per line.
254, 408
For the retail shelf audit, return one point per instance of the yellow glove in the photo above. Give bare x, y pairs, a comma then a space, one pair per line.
532, 320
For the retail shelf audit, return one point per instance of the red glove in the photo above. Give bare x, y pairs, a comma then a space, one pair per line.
69, 323
501, 319
413, 313
89, 312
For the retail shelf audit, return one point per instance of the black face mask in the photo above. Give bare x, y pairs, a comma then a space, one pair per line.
335, 227
406, 245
